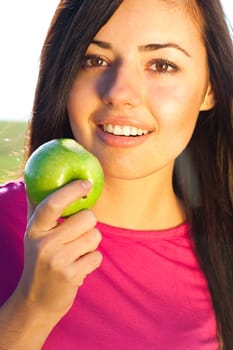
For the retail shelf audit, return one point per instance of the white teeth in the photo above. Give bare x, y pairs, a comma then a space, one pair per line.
124, 130
140, 131
134, 131
108, 128
117, 130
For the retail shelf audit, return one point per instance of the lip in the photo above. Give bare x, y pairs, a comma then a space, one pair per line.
121, 141
122, 121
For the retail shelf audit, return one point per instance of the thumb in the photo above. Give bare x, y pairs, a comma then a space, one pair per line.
45, 216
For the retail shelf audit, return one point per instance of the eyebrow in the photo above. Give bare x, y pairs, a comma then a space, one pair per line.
144, 48
154, 47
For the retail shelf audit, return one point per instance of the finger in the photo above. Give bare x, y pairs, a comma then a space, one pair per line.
50, 209
87, 243
84, 266
75, 226
74, 250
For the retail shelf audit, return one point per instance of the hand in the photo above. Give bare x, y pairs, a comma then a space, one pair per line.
58, 256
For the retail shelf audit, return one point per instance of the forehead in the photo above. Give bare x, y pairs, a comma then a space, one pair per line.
163, 16
189, 6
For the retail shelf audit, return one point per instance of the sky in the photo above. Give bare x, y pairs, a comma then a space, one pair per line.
23, 26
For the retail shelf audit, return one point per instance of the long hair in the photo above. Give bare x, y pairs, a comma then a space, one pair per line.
203, 176
74, 25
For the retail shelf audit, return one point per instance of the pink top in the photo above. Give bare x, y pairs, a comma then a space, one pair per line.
149, 292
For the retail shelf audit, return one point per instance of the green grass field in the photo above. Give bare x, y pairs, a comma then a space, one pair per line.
12, 139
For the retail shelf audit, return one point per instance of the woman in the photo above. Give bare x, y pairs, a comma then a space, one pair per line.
153, 101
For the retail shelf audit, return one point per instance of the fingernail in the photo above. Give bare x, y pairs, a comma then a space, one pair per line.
85, 184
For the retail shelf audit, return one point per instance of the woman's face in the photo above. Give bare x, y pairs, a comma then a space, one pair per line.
144, 79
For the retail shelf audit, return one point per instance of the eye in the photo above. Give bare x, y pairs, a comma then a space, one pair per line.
162, 66
94, 61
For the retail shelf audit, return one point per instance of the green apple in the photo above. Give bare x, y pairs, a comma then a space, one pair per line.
58, 162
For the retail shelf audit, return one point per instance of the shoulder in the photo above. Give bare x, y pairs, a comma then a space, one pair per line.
13, 190
13, 219
13, 203
13, 207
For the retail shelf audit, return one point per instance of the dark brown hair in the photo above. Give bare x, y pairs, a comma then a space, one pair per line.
203, 176
205, 173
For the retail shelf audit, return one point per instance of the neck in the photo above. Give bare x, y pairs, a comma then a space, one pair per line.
148, 203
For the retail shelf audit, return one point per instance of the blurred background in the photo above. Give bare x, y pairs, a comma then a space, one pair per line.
23, 26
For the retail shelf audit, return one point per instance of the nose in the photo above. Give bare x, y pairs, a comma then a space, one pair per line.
122, 87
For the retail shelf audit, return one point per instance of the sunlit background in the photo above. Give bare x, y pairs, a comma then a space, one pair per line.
23, 26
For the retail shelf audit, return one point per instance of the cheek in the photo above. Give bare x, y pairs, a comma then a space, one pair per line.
81, 104
176, 111
78, 100
176, 107
77, 107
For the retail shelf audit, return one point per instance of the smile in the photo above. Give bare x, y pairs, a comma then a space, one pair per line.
124, 130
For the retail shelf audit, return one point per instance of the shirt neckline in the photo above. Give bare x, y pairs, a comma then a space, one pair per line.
180, 230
